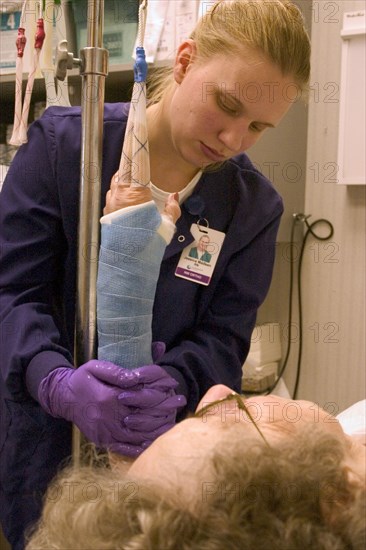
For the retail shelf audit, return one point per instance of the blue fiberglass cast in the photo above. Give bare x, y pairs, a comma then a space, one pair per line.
129, 264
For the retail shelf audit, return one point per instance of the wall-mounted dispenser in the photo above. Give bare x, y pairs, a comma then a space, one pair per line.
352, 114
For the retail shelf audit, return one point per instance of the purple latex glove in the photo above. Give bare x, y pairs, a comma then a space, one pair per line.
99, 397
157, 350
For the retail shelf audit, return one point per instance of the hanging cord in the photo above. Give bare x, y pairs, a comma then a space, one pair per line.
38, 43
142, 24
309, 231
20, 44
284, 365
46, 62
302, 218
19, 135
134, 167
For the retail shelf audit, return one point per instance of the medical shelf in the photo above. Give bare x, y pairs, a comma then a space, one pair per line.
118, 86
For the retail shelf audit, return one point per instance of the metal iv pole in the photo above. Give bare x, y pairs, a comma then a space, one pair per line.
93, 65
93, 69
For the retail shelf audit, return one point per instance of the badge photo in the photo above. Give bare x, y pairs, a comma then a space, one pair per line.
198, 259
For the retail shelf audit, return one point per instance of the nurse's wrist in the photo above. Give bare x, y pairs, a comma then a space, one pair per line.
40, 367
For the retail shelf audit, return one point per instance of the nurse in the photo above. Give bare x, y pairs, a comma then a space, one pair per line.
232, 80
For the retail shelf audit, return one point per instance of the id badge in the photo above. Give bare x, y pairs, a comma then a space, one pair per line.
198, 259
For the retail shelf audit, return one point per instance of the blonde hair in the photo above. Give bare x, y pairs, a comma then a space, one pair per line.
294, 496
274, 27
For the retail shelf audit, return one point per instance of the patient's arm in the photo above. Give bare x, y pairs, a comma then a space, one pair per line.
134, 235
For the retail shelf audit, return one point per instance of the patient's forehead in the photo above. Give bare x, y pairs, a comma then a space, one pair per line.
266, 407
269, 414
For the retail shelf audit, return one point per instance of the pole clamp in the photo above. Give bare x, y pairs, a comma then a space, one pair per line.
64, 60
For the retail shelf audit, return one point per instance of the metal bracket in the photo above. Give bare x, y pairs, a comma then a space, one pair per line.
64, 60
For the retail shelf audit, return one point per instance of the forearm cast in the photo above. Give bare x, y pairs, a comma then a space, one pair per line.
132, 248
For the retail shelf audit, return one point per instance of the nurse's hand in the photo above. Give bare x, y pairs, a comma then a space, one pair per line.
118, 409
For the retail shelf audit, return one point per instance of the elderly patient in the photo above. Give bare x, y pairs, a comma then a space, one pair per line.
263, 472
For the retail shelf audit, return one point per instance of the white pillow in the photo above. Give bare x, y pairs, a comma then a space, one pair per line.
353, 421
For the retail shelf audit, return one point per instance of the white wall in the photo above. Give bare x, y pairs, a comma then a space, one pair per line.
334, 273
333, 277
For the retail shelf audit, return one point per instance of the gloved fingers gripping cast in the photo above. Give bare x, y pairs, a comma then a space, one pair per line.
89, 397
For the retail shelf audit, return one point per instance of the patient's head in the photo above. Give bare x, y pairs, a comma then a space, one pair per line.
183, 451
218, 481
